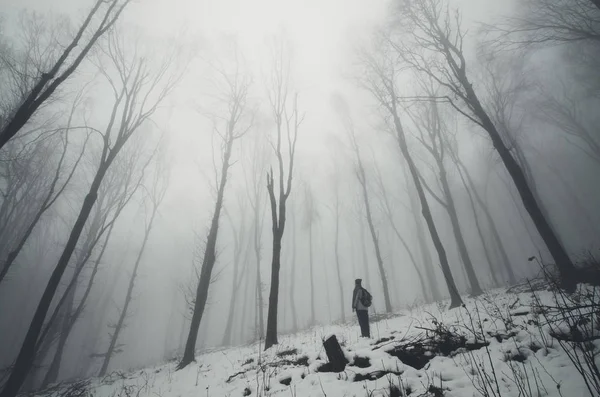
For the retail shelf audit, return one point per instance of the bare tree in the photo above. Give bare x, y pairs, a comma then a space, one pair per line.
155, 195
292, 296
431, 134
361, 175
232, 120
46, 82
24, 181
389, 214
380, 81
278, 92
473, 193
239, 244
138, 90
311, 216
119, 186
433, 46
336, 210
256, 198
550, 22
54, 190
422, 240
569, 116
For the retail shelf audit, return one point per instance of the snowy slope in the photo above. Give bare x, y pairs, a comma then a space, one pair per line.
526, 360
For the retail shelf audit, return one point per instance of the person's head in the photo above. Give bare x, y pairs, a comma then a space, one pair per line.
357, 282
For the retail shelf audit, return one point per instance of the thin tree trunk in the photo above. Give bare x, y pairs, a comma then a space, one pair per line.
53, 371
231, 312
311, 275
119, 327
389, 214
524, 219
208, 263
463, 171
74, 315
27, 353
49, 199
460, 241
271, 337
293, 275
363, 251
50, 80
382, 275
544, 228
423, 247
238, 241
258, 287
246, 306
486, 250
455, 299
337, 258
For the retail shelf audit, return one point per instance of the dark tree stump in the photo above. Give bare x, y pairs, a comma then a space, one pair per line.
336, 357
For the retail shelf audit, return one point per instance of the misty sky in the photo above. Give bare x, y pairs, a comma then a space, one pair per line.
324, 35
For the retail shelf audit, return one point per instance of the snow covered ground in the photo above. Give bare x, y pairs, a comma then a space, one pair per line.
497, 336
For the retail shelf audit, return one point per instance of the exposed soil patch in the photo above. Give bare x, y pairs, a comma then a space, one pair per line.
499, 336
414, 356
286, 381
375, 375
361, 362
383, 340
517, 356
440, 341
534, 347
302, 360
396, 392
288, 352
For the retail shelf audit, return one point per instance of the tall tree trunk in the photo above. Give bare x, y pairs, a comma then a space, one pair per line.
50, 80
455, 299
293, 275
484, 244
248, 298
389, 214
49, 199
382, 275
238, 241
460, 241
208, 263
53, 371
337, 259
231, 312
559, 254
423, 247
27, 353
271, 337
73, 314
120, 323
258, 287
464, 172
311, 275
363, 251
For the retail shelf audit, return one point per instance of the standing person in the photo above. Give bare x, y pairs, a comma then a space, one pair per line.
361, 300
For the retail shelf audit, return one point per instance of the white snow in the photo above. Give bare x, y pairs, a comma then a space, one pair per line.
516, 350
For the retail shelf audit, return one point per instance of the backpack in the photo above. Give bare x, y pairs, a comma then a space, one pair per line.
366, 299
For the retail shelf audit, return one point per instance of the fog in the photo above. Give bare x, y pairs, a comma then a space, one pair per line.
213, 69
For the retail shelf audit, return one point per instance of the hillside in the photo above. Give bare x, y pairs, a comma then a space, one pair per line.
498, 344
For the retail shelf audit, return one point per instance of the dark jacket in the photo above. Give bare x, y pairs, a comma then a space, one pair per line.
356, 299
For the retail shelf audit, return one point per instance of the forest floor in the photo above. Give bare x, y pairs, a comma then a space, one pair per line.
504, 343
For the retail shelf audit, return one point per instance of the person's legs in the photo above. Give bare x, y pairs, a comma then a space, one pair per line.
363, 321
